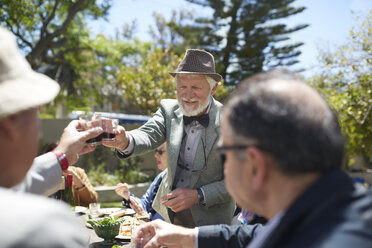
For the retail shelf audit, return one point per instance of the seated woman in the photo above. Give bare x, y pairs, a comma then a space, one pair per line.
143, 206
82, 189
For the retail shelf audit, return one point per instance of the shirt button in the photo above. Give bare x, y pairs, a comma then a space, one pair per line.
187, 164
181, 180
188, 148
192, 131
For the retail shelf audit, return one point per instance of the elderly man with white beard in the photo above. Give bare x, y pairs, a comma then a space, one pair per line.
193, 193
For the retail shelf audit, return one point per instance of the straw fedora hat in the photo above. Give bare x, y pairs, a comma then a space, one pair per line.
20, 87
197, 62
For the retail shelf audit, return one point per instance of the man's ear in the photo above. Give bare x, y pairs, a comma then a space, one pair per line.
214, 88
259, 167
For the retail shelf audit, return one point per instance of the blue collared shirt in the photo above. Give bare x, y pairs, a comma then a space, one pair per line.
261, 237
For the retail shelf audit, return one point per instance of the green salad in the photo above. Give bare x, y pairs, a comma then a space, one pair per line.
104, 221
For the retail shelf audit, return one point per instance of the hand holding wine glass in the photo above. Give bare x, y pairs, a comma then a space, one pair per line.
121, 139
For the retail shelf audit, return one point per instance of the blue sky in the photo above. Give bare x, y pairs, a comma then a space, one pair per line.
330, 21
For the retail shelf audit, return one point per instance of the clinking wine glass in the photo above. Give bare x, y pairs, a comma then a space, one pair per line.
109, 127
92, 121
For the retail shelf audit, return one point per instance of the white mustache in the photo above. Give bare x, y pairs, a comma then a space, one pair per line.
190, 100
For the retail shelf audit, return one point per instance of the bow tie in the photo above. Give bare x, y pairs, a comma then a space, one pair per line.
202, 119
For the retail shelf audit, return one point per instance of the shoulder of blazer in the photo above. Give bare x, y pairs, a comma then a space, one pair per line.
170, 107
215, 111
217, 103
169, 104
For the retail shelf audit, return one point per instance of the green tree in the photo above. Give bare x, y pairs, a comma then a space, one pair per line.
345, 80
56, 41
89, 76
97, 69
43, 28
165, 33
147, 80
245, 36
128, 171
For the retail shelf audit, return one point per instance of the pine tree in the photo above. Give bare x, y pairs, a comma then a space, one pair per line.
246, 36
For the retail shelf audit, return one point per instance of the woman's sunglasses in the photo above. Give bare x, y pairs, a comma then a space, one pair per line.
160, 152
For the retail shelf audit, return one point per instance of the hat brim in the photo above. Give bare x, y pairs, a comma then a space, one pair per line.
26, 91
215, 76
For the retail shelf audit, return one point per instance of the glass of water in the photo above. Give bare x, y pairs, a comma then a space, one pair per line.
94, 209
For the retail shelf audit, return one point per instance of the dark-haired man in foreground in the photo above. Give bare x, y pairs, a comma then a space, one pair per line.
283, 150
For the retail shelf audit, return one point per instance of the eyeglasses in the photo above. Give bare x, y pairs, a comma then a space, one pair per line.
160, 152
222, 150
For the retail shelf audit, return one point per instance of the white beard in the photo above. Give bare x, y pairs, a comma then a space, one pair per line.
188, 111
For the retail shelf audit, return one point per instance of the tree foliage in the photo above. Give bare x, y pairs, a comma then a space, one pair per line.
89, 76
54, 36
147, 80
97, 71
165, 33
246, 36
346, 81
43, 28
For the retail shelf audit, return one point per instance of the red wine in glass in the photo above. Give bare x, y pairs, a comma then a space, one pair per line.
95, 141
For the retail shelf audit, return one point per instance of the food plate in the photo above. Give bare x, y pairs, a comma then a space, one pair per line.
80, 209
117, 212
125, 232
123, 212
122, 237
108, 211
126, 227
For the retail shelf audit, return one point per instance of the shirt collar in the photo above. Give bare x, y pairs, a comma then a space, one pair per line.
270, 226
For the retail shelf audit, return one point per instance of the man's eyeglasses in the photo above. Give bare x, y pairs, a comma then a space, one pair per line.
160, 152
222, 150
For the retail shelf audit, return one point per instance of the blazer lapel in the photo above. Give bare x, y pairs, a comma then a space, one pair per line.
176, 134
175, 130
212, 132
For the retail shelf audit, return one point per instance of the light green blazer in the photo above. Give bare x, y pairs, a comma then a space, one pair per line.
167, 125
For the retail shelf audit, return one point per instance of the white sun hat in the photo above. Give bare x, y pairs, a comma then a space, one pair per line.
21, 88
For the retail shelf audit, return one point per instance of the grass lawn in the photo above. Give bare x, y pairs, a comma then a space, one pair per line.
111, 205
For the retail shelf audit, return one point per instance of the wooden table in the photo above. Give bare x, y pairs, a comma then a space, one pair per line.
96, 242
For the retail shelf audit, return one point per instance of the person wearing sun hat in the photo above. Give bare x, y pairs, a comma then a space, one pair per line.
193, 193
29, 220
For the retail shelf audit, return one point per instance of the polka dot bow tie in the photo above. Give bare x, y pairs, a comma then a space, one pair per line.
202, 119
